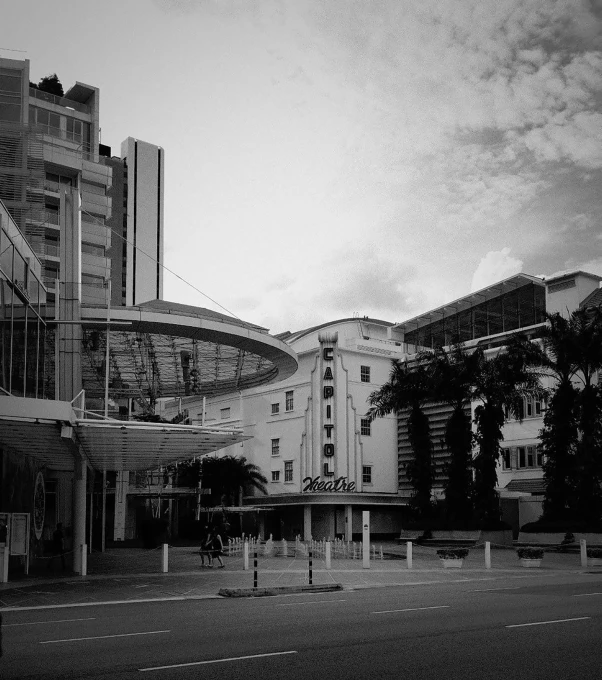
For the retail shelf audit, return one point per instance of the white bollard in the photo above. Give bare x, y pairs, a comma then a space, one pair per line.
409, 554
583, 546
245, 560
365, 539
328, 555
164, 559
487, 555
84, 549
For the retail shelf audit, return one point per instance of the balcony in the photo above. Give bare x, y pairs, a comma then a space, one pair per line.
59, 101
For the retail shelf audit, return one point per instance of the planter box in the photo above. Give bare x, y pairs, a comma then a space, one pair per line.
449, 563
557, 538
533, 564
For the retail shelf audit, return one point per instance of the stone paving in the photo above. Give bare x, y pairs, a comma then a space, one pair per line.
135, 574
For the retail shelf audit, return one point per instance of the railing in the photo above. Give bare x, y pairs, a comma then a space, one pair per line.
60, 101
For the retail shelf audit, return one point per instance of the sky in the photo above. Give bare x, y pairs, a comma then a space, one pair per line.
332, 158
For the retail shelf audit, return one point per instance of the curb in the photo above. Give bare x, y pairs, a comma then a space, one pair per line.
280, 590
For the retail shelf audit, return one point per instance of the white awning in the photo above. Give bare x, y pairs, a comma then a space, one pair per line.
50, 432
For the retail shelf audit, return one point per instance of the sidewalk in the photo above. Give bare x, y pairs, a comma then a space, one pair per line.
120, 575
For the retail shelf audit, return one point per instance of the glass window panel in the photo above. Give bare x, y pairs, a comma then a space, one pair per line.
494, 313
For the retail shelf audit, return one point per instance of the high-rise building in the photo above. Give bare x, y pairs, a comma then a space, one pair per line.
137, 197
50, 142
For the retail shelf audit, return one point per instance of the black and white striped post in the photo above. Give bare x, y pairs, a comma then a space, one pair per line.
255, 569
310, 567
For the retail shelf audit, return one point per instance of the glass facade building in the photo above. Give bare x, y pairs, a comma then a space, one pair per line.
23, 336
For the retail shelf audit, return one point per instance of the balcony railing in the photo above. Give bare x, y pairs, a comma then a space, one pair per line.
60, 101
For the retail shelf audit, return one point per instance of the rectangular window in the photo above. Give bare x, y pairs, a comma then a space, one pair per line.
506, 459
275, 447
289, 401
92, 249
365, 427
522, 456
365, 373
224, 413
275, 409
275, 475
288, 471
366, 474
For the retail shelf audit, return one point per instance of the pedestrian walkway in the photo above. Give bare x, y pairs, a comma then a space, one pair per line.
136, 574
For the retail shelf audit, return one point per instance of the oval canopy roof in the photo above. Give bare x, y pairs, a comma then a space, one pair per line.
164, 349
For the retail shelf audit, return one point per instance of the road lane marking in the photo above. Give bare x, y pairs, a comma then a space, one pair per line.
586, 594
490, 590
201, 663
104, 637
37, 623
543, 623
411, 609
296, 604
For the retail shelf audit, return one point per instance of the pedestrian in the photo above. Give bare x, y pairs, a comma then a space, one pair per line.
218, 548
208, 546
203, 552
58, 546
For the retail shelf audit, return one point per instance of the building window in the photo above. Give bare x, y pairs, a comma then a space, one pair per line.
366, 474
365, 427
506, 459
275, 409
224, 413
275, 447
288, 471
275, 475
528, 457
289, 401
365, 373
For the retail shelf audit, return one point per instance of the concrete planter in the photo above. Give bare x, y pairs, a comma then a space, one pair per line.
449, 563
530, 564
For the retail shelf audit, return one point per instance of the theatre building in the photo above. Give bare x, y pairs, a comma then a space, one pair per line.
324, 460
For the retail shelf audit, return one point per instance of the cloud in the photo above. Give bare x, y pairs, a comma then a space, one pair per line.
494, 267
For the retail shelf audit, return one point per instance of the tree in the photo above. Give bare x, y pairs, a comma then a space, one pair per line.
51, 84
230, 477
501, 383
407, 390
453, 373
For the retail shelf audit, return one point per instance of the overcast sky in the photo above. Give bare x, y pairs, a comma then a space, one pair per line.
332, 157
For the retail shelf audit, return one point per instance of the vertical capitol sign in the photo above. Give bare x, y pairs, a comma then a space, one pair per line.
328, 394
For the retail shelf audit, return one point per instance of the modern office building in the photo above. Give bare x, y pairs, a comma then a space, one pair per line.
487, 318
48, 143
137, 197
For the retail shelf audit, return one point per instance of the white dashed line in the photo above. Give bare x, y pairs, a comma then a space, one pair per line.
38, 623
201, 663
411, 609
104, 637
544, 623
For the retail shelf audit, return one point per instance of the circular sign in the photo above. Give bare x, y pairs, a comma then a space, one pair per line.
39, 505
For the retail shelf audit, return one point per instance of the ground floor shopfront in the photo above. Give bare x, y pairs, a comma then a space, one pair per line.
326, 515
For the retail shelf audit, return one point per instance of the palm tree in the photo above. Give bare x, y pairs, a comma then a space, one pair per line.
454, 373
560, 433
408, 389
501, 383
230, 477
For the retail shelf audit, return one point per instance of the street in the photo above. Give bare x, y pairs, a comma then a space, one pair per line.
467, 629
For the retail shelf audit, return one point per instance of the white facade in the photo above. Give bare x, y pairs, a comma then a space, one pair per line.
323, 460
144, 228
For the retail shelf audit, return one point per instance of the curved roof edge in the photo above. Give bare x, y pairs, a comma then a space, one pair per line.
288, 336
170, 319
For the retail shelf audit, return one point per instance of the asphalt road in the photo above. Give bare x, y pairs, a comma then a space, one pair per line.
497, 629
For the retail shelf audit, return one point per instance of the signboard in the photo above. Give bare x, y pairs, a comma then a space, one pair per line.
19, 533
313, 484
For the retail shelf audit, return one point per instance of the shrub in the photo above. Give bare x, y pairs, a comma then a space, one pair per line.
594, 552
530, 553
452, 553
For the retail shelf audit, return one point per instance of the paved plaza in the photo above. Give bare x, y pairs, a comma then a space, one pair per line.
129, 574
